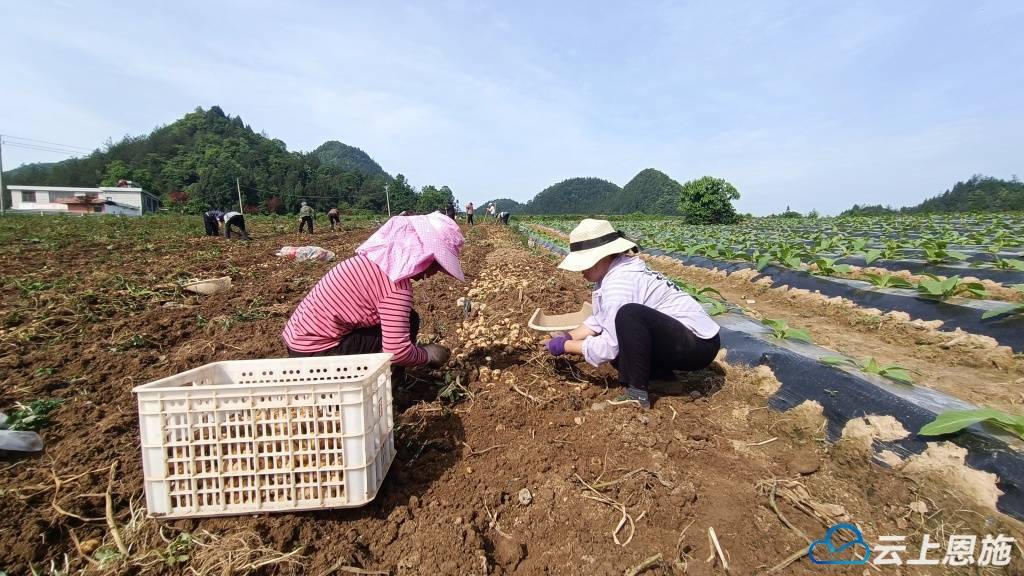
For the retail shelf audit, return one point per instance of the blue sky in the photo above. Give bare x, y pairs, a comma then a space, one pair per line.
815, 105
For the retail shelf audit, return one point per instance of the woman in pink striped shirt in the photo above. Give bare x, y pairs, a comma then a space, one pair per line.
364, 304
642, 323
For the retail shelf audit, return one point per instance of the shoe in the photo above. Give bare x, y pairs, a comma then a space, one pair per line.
633, 396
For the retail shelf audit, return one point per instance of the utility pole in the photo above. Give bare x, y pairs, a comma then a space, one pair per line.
238, 187
2, 175
387, 197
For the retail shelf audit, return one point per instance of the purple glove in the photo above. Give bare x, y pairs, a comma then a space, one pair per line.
556, 346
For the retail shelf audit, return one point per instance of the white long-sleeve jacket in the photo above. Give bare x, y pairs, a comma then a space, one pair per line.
629, 280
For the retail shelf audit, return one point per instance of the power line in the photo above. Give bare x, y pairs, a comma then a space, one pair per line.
40, 148
48, 142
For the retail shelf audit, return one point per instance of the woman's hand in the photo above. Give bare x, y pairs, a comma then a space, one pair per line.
556, 346
437, 355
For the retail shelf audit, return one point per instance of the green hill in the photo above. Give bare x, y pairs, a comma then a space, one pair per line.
576, 196
30, 172
349, 158
193, 163
978, 194
651, 192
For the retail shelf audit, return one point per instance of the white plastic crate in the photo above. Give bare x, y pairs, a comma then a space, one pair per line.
250, 436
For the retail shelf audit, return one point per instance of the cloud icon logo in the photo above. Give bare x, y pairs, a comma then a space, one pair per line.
825, 552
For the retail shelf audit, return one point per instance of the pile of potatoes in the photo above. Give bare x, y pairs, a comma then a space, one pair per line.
488, 334
493, 282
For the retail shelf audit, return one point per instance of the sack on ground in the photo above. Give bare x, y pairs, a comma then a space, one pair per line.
303, 253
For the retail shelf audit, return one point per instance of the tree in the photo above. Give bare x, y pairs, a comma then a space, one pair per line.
402, 195
115, 171
708, 200
432, 198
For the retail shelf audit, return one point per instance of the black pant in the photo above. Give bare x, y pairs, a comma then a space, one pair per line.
650, 341
237, 222
504, 218
306, 220
334, 218
469, 217
367, 340
211, 225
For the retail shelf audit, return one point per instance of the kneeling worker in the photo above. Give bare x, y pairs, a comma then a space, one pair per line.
642, 323
364, 304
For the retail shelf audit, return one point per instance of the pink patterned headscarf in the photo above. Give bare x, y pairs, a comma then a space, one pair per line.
407, 245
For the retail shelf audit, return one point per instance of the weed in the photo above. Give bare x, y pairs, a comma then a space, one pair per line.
30, 288
132, 289
133, 342
34, 416
453, 392
177, 551
253, 312
12, 319
107, 556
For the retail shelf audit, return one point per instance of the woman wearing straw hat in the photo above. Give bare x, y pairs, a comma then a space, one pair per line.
642, 323
364, 304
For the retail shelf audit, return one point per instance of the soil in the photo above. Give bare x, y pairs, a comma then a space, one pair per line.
609, 487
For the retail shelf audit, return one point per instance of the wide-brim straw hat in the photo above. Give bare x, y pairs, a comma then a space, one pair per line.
592, 240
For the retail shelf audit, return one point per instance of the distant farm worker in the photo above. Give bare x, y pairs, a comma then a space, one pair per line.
469, 213
450, 211
364, 304
238, 221
211, 221
305, 217
334, 216
504, 216
642, 323
492, 211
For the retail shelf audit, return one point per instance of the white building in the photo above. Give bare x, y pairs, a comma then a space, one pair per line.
106, 200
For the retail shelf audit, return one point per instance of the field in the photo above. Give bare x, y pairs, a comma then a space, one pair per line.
509, 461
